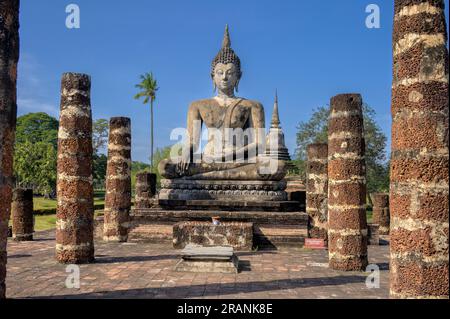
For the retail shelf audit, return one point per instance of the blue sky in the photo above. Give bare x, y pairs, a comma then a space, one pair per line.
308, 50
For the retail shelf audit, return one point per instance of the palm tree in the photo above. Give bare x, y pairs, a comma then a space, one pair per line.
148, 87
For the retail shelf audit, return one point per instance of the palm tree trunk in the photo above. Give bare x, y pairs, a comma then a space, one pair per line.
151, 136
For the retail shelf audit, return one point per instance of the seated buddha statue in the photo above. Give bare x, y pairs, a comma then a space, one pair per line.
242, 157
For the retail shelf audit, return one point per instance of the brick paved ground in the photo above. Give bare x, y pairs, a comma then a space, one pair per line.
127, 270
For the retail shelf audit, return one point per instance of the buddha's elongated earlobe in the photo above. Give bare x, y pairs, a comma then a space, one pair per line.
214, 87
237, 86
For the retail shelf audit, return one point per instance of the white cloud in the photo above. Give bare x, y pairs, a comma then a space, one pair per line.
32, 106
31, 97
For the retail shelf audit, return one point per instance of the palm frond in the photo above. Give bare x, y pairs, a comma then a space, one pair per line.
148, 87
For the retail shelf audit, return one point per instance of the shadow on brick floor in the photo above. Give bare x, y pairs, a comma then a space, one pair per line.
194, 291
111, 260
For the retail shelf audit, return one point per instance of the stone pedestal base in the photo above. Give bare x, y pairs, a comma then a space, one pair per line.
180, 189
224, 267
208, 259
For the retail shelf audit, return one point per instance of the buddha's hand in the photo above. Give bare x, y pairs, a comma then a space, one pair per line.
183, 164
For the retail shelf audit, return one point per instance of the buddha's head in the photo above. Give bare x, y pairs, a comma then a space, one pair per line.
226, 67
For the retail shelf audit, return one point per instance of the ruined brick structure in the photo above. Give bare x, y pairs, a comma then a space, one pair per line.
419, 164
380, 214
317, 190
22, 215
118, 181
238, 235
145, 189
347, 225
9, 56
75, 210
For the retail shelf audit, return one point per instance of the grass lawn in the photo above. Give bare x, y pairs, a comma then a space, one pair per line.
369, 216
41, 203
45, 222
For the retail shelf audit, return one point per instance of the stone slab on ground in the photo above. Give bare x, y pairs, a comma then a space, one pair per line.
144, 270
217, 252
216, 259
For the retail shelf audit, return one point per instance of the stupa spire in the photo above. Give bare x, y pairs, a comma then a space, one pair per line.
275, 145
275, 115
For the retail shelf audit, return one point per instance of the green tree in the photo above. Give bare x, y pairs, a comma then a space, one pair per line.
315, 130
99, 160
99, 163
35, 152
37, 127
148, 88
35, 166
99, 134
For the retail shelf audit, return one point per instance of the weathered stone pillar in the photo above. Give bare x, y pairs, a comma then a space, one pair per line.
317, 191
145, 189
373, 231
381, 215
347, 225
419, 164
22, 215
75, 210
118, 181
9, 56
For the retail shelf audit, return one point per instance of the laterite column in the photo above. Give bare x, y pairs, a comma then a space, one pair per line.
75, 210
419, 164
22, 215
118, 181
347, 225
145, 189
380, 214
9, 56
317, 191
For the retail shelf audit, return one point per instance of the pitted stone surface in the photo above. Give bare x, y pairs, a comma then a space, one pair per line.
317, 191
9, 55
124, 270
381, 215
22, 215
347, 225
118, 181
419, 165
75, 210
145, 190
234, 234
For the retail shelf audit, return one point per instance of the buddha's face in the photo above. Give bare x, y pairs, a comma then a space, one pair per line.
225, 77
